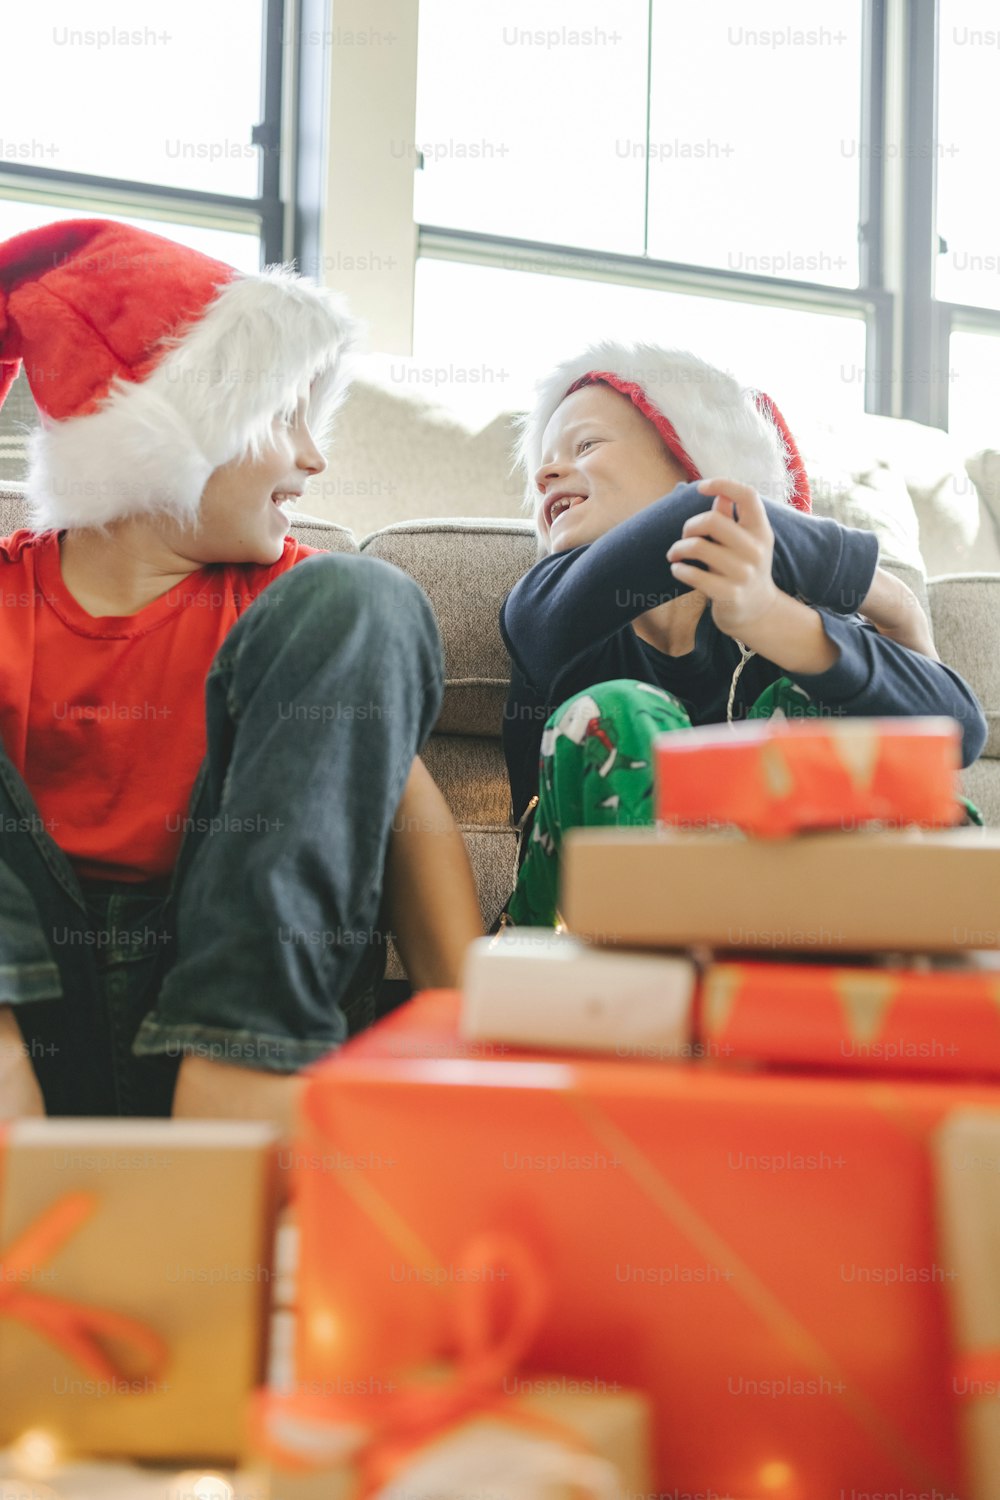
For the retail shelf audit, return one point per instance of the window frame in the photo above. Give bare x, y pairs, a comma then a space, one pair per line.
264, 214
907, 328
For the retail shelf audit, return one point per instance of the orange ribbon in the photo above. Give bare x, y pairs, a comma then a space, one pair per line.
71, 1326
392, 1426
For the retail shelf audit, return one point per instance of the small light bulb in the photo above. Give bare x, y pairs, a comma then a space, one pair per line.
775, 1475
193, 1485
323, 1327
37, 1452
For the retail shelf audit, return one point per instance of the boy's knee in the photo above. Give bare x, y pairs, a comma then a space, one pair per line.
332, 592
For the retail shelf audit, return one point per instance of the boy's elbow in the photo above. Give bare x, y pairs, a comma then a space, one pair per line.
975, 732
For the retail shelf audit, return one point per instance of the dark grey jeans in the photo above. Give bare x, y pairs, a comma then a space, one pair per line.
266, 946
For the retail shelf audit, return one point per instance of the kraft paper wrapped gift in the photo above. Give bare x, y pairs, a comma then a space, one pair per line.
777, 776
136, 1277
911, 891
942, 1020
553, 1444
754, 1251
968, 1167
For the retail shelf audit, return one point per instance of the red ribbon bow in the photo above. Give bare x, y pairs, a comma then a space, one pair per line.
71, 1326
392, 1426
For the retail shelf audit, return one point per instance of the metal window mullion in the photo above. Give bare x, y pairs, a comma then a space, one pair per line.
45, 181
272, 227
923, 386
871, 235
649, 126
313, 18
641, 271
965, 318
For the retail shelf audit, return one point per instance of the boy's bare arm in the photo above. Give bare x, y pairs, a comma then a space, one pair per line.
895, 612
19, 1091
431, 900
209, 1090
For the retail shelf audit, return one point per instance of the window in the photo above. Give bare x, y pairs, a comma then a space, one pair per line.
166, 116
578, 170
527, 321
639, 172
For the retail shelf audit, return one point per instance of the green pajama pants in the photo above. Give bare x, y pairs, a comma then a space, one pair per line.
596, 771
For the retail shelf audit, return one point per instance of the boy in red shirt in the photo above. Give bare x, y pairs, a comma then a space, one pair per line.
196, 872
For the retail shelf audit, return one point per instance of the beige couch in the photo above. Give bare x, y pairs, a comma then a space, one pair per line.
396, 459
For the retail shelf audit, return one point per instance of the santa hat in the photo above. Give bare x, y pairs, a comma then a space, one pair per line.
152, 364
714, 427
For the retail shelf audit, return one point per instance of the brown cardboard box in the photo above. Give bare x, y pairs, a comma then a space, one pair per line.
177, 1232
913, 890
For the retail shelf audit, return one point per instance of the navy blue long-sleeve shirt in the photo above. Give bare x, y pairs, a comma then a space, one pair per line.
567, 625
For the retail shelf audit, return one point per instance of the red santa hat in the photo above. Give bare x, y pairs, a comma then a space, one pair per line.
714, 427
152, 364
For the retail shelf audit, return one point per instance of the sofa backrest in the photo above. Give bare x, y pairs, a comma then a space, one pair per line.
467, 566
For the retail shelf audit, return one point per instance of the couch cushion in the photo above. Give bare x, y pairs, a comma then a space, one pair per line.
313, 531
966, 614
955, 534
983, 469
850, 483
472, 775
13, 510
465, 568
398, 452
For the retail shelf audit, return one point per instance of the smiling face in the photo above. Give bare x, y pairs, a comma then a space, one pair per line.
241, 518
602, 461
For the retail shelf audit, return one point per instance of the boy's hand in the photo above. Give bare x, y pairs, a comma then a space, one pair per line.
737, 552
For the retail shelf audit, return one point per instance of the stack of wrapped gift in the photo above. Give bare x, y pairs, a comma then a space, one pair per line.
841, 923
753, 1247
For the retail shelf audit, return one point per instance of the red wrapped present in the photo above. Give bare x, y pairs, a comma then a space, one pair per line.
777, 776
135, 1283
459, 1429
756, 1252
936, 1020
968, 1175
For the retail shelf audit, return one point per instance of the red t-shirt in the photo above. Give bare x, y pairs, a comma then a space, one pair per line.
105, 717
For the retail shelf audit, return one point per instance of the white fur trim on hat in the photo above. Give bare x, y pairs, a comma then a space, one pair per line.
716, 418
151, 446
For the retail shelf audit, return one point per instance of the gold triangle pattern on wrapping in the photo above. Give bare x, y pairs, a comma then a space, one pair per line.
864, 1000
747, 1284
722, 985
394, 1227
857, 748
778, 778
